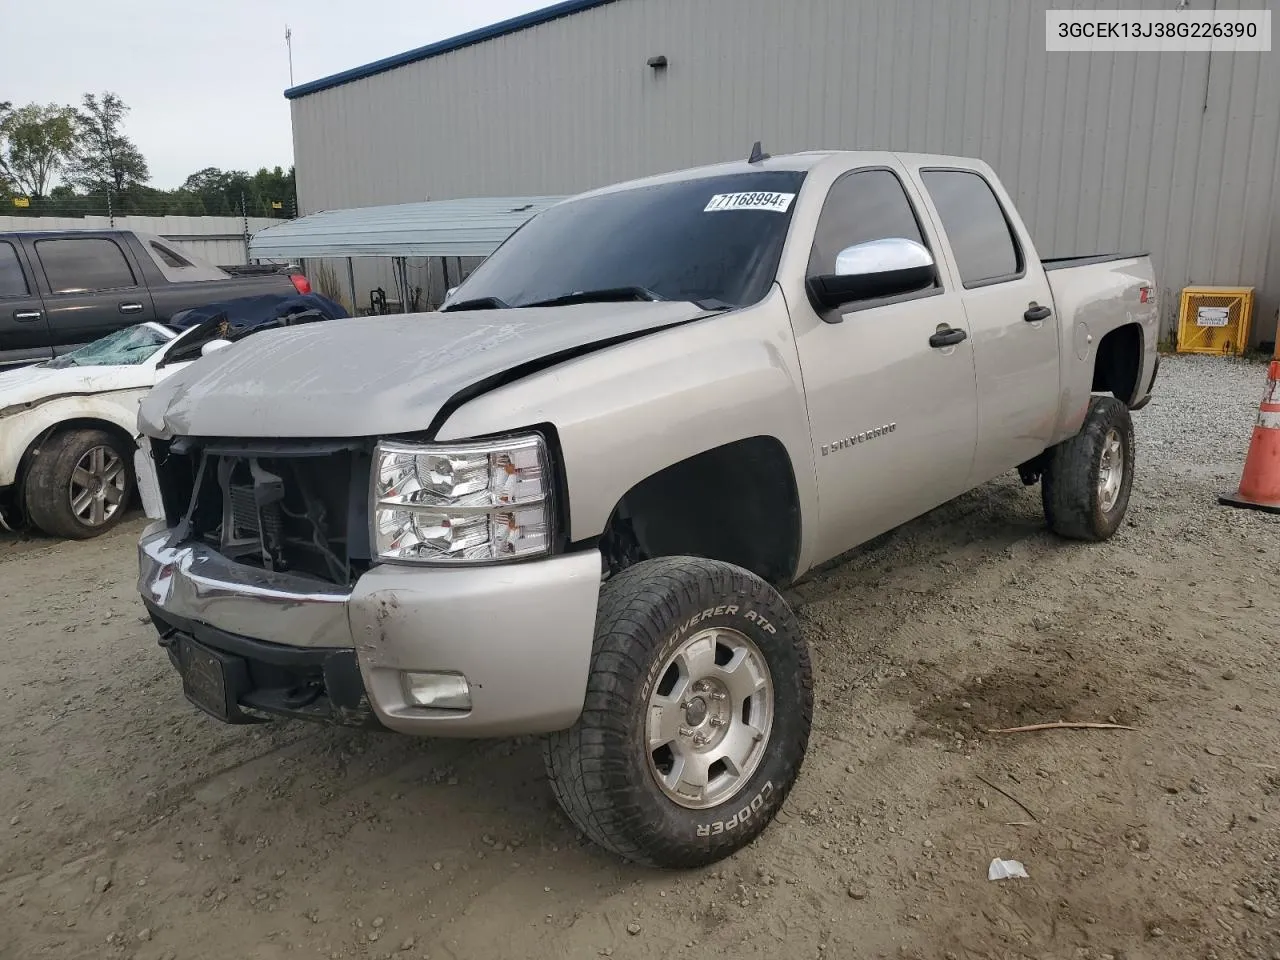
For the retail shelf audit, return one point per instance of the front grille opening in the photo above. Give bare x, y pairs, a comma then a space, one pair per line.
301, 512
285, 514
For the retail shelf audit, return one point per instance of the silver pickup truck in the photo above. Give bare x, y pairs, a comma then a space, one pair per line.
565, 503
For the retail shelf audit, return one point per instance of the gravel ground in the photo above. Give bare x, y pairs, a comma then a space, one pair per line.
1205, 430
133, 827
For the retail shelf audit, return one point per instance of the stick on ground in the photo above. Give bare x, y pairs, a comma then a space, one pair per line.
1064, 725
1009, 796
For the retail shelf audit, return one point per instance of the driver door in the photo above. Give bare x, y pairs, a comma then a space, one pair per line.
893, 416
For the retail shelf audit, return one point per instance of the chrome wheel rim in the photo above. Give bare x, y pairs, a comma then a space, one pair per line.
97, 486
709, 718
1110, 471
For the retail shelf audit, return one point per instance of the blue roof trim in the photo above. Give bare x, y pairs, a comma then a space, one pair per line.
532, 19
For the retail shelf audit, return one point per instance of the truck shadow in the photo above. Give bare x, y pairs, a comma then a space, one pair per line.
450, 795
990, 518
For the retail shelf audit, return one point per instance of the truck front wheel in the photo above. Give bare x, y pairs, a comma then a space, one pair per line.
1087, 479
697, 714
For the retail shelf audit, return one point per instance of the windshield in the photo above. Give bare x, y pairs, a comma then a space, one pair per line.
124, 348
713, 239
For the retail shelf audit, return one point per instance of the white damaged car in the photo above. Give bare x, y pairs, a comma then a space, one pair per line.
68, 428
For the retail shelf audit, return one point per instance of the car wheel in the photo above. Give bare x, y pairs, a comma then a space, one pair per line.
696, 719
1087, 481
80, 484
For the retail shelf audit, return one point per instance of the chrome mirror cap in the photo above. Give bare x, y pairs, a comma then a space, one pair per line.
882, 256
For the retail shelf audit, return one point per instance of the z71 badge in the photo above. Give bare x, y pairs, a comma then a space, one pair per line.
844, 442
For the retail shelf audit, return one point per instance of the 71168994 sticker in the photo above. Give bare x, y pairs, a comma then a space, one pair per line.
777, 202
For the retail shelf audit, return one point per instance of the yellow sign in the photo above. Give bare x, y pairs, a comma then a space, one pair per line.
277, 205
21, 201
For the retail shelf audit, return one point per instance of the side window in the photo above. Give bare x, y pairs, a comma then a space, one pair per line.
77, 265
862, 205
168, 257
981, 238
12, 282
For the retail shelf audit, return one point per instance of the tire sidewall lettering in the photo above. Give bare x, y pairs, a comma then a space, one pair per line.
716, 827
723, 615
759, 624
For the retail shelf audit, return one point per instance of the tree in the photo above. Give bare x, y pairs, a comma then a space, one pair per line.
275, 186
106, 159
214, 188
6, 188
35, 143
222, 192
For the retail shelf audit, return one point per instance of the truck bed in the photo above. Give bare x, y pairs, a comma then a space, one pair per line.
1094, 297
1062, 263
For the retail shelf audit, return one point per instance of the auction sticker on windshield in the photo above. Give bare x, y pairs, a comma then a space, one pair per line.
777, 202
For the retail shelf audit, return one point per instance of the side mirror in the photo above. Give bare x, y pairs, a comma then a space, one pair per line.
872, 270
213, 346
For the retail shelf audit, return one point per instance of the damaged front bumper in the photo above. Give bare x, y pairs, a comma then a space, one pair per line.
251, 642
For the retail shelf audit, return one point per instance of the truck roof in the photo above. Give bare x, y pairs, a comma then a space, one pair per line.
67, 232
802, 161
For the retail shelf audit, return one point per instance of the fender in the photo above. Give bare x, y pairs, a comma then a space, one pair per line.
1093, 301
22, 427
624, 413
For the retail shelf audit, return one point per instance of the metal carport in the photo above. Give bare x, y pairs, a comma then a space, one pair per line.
471, 227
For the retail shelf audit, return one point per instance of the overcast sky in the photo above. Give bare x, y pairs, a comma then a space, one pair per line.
205, 80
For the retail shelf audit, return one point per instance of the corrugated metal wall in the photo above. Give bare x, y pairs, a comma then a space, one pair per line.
1175, 153
217, 240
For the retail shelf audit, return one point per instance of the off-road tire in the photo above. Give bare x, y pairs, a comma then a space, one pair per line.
599, 769
1073, 505
46, 486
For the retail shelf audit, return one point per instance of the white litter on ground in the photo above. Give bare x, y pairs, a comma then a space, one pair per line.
1006, 870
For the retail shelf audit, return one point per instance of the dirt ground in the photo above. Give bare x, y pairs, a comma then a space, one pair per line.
133, 826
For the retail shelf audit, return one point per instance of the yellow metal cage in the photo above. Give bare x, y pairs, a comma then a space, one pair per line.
1215, 320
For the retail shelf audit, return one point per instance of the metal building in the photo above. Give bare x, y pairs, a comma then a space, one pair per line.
1175, 153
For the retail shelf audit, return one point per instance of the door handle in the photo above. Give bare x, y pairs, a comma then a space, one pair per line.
947, 338
26, 316
130, 308
1036, 312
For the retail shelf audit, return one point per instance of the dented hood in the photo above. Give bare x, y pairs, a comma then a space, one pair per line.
380, 375
29, 387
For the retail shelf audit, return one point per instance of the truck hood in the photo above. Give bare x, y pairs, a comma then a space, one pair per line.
29, 387
381, 375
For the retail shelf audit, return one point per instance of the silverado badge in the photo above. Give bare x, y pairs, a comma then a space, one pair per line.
858, 438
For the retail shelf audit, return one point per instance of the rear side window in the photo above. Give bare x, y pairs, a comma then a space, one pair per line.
78, 265
863, 205
12, 282
168, 256
981, 239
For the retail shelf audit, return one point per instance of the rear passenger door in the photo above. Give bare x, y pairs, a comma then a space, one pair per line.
1008, 308
24, 331
92, 289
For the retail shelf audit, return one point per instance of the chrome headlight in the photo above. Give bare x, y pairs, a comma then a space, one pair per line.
459, 502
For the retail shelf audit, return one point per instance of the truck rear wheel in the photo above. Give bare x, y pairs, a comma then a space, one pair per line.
79, 484
1087, 479
697, 714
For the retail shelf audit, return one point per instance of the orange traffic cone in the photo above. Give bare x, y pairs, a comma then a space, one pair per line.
1260, 485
